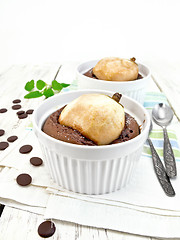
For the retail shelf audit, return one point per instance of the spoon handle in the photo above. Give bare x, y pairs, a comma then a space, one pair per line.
169, 158
161, 172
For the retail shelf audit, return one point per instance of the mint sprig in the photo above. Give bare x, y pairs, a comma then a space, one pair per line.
43, 89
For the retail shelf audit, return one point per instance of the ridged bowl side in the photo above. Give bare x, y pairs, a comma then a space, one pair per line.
91, 177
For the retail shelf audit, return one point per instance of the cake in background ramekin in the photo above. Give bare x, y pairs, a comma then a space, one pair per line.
135, 89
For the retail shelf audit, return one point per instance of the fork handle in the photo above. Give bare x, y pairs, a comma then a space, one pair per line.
161, 172
169, 158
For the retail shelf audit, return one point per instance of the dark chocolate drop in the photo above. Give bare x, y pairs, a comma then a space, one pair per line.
30, 111
12, 138
16, 107
3, 145
22, 116
2, 132
24, 179
36, 161
25, 149
46, 229
16, 101
3, 110
20, 112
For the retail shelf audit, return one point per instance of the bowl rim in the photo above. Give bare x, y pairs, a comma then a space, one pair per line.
112, 82
87, 147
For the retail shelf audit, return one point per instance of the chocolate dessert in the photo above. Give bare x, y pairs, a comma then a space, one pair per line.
115, 69
55, 129
90, 74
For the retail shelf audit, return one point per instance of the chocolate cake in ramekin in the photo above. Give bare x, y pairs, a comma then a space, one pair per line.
90, 169
135, 89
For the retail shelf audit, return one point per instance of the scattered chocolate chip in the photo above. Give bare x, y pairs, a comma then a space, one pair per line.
16, 107
12, 138
20, 112
36, 161
16, 101
3, 110
24, 179
127, 136
46, 229
25, 149
22, 116
30, 111
3, 145
2, 132
131, 131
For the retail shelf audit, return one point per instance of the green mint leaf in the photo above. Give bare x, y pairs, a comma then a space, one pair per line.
34, 94
48, 92
56, 85
64, 85
40, 84
29, 86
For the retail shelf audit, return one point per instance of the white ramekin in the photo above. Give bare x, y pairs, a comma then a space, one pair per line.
90, 169
135, 89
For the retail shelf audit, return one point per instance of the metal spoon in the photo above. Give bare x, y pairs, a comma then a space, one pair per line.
160, 170
163, 115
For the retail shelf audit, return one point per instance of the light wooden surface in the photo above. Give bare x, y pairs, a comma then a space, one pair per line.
19, 224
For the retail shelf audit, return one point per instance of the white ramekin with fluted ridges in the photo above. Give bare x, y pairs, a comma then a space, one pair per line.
90, 169
135, 89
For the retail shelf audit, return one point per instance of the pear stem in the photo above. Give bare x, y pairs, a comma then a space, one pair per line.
117, 97
133, 59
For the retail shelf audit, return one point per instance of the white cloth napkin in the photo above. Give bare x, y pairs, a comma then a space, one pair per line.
139, 208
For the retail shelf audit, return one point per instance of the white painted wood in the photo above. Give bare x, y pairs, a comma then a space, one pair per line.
19, 224
12, 81
166, 75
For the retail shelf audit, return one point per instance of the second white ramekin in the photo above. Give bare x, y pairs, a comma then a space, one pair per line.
135, 89
90, 169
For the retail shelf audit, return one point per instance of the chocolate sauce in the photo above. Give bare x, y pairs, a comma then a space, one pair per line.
90, 74
54, 129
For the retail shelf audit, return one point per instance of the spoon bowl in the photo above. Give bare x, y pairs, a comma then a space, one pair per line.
162, 114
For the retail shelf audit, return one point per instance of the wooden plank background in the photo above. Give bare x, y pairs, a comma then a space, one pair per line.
18, 224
